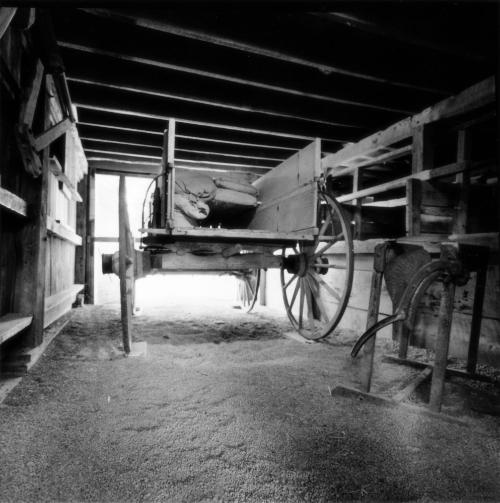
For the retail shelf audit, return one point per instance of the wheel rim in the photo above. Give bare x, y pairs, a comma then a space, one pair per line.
315, 282
249, 289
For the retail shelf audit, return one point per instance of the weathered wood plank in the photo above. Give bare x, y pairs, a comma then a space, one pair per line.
13, 323
60, 303
13, 203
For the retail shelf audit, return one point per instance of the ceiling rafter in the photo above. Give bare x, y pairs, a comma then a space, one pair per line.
228, 78
186, 137
201, 101
211, 38
133, 113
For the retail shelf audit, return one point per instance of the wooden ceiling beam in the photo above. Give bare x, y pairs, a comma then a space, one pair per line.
183, 160
227, 78
193, 151
211, 38
187, 137
231, 127
103, 164
394, 33
191, 99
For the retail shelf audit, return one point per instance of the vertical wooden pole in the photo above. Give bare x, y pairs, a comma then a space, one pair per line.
463, 154
477, 310
29, 290
368, 352
89, 241
126, 269
81, 230
441, 346
171, 172
263, 287
356, 185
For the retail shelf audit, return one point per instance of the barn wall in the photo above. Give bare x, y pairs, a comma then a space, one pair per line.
37, 250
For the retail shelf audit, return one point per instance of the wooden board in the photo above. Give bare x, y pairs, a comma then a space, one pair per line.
13, 323
13, 203
289, 193
60, 303
233, 234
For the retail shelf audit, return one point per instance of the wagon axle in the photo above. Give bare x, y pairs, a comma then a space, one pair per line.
300, 263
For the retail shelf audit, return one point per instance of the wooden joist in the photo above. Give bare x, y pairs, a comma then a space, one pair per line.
13, 203
211, 38
13, 323
226, 78
62, 231
232, 127
212, 103
188, 137
476, 96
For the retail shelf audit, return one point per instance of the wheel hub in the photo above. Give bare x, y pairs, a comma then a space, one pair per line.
296, 264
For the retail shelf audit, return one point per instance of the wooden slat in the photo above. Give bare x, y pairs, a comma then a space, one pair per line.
62, 231
13, 203
389, 156
60, 303
13, 323
474, 97
429, 174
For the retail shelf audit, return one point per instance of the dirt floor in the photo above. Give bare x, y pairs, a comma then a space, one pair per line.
225, 407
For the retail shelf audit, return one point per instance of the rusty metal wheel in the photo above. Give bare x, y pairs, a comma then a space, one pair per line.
316, 279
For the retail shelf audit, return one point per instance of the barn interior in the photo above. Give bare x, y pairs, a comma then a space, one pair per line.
249, 252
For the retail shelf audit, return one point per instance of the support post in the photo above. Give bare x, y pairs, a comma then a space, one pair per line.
126, 267
356, 185
89, 259
463, 154
477, 311
81, 230
442, 345
368, 352
29, 292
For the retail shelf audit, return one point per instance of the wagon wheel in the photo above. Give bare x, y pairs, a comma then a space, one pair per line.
316, 286
126, 267
248, 289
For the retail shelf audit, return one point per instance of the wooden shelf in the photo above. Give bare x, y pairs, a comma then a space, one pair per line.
62, 231
13, 203
13, 323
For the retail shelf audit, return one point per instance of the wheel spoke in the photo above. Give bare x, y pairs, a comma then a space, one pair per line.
328, 245
290, 281
327, 287
301, 302
315, 288
323, 228
310, 312
294, 296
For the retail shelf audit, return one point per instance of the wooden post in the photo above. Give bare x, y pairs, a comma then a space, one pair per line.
463, 154
477, 311
356, 185
29, 290
368, 352
126, 267
169, 167
441, 346
89, 243
81, 230
263, 287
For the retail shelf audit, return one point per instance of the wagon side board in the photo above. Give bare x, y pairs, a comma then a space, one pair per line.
289, 193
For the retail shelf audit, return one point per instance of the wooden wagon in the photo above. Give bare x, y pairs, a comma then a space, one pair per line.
293, 229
